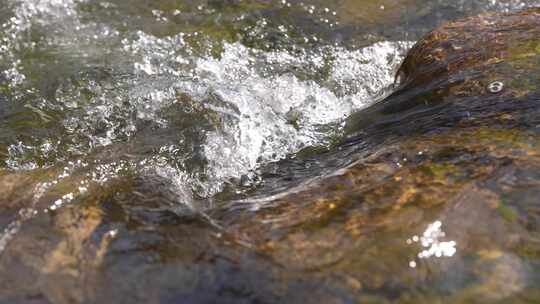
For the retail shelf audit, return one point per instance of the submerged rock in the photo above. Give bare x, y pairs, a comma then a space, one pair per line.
441, 203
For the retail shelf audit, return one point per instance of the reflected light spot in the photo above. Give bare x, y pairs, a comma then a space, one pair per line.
432, 243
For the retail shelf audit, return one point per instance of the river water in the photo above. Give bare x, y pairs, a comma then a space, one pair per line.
211, 100
201, 93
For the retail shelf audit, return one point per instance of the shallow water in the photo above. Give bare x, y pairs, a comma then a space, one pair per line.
213, 101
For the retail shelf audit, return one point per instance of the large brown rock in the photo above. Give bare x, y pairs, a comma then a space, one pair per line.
447, 147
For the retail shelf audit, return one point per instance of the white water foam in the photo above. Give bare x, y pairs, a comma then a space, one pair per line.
271, 114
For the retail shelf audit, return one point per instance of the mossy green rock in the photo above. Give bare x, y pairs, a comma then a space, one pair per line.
444, 160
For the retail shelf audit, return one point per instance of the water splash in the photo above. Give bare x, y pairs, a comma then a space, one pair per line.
252, 106
266, 110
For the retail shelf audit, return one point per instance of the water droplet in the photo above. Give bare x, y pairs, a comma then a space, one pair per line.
495, 87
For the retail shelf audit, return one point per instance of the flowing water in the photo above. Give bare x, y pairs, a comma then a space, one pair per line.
198, 93
201, 93
211, 100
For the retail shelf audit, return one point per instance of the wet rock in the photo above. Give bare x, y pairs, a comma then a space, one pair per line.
446, 77
436, 151
439, 205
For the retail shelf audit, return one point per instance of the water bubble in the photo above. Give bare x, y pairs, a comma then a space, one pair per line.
495, 87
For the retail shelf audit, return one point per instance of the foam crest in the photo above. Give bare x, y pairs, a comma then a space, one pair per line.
267, 111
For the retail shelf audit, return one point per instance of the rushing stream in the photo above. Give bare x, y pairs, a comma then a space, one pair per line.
185, 102
210, 101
